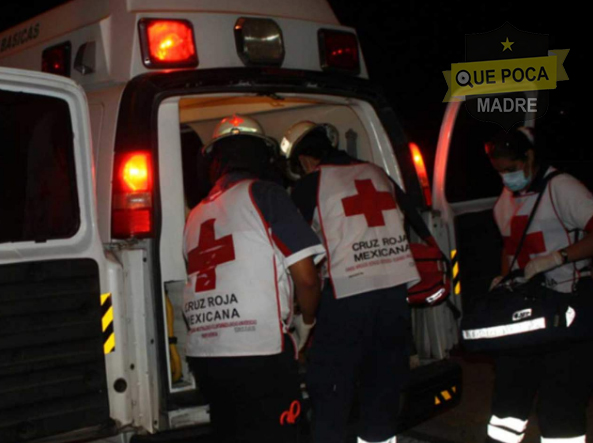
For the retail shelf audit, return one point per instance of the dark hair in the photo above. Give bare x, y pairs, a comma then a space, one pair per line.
314, 144
512, 145
240, 153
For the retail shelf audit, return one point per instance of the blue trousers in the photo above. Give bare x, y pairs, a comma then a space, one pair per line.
360, 347
252, 399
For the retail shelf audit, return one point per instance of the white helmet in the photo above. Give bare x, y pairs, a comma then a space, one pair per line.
238, 125
299, 130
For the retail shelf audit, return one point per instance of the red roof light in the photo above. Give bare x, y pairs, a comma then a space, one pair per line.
56, 59
338, 51
167, 43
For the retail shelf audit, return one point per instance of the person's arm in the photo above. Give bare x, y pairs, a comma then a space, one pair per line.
300, 248
573, 204
307, 288
304, 196
291, 234
582, 249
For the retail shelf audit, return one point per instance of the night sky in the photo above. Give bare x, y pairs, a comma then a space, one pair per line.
408, 44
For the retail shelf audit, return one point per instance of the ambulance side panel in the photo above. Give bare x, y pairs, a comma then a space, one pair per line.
104, 107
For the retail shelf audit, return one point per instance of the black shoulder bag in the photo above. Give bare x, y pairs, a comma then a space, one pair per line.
515, 315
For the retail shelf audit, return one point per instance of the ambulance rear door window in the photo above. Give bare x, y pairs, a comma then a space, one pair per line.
37, 171
469, 173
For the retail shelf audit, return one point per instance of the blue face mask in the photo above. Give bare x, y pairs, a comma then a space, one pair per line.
515, 181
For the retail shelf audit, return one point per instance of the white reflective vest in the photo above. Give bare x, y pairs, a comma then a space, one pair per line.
362, 230
550, 229
238, 299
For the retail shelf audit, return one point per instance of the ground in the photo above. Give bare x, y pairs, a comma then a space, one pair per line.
467, 422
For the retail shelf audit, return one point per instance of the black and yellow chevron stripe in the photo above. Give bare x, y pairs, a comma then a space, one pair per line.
107, 323
445, 396
456, 276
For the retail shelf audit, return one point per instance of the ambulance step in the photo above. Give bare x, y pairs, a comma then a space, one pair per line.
52, 363
431, 390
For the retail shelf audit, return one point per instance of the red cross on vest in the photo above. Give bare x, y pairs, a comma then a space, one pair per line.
368, 202
533, 244
208, 255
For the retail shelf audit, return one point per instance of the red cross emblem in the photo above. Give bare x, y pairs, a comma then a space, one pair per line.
369, 202
208, 255
533, 244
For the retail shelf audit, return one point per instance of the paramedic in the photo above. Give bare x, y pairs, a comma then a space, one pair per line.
362, 333
560, 375
246, 244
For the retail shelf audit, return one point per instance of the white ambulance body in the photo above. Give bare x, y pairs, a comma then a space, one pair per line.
91, 265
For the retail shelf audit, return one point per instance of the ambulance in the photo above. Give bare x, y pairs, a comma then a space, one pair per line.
104, 107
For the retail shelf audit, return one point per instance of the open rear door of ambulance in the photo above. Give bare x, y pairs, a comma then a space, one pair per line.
465, 189
55, 322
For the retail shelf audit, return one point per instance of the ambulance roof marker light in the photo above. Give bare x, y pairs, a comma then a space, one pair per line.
167, 43
259, 42
338, 51
421, 172
56, 59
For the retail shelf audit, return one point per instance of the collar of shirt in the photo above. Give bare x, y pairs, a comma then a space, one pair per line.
338, 157
228, 180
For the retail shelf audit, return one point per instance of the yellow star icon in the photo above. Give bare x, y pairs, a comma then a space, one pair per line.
507, 45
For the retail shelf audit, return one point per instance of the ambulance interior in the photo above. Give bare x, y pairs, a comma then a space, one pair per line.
276, 113
361, 135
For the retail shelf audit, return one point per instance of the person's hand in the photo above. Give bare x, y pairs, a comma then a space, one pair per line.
495, 282
543, 264
302, 330
414, 361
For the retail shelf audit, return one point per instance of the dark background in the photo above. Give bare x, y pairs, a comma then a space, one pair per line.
407, 45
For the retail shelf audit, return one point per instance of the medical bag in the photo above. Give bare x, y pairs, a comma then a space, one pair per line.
435, 283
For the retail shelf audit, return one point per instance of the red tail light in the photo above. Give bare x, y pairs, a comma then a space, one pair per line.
421, 172
167, 43
338, 50
132, 195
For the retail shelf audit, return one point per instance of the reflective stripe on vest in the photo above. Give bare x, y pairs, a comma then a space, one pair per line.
362, 229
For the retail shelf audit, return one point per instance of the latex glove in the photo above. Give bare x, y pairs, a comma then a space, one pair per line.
543, 264
495, 282
302, 330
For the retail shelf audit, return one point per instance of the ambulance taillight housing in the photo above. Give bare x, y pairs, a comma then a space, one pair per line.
338, 51
259, 42
56, 59
421, 172
132, 195
167, 43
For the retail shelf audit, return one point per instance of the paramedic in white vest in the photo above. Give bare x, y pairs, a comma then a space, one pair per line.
362, 333
246, 245
559, 243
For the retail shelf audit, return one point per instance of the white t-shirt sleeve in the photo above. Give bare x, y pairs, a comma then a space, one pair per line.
573, 202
